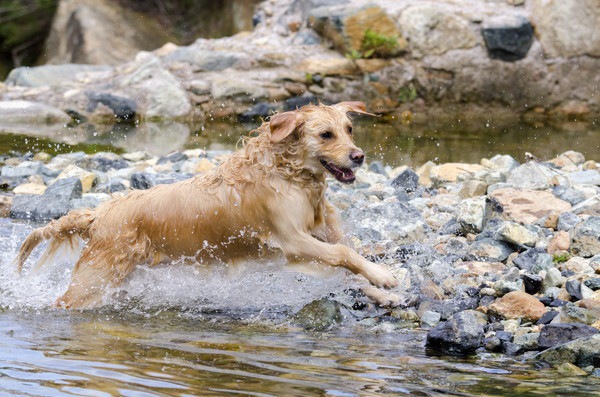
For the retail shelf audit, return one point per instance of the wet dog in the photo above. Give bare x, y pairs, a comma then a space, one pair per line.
269, 194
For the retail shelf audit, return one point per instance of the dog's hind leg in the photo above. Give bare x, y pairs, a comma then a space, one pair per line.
100, 269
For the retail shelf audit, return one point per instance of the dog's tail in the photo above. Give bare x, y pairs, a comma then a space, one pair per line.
63, 230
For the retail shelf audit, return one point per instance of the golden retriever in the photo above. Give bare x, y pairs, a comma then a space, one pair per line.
269, 194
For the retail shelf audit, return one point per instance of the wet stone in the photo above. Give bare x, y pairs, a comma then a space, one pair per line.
461, 334
319, 315
507, 38
593, 283
532, 283
407, 180
489, 250
581, 352
556, 334
573, 287
586, 238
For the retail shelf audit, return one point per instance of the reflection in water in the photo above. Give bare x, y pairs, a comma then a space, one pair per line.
392, 142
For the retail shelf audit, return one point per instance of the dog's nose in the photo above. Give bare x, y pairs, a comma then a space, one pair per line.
357, 157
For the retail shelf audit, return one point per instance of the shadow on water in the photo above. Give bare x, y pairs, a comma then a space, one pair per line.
392, 142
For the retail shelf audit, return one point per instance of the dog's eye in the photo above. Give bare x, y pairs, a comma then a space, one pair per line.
327, 135
350, 130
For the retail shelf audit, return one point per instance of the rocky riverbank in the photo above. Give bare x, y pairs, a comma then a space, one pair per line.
470, 59
495, 256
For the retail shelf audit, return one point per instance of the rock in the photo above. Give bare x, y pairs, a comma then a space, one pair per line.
430, 318
158, 93
5, 205
561, 241
100, 32
553, 21
570, 195
330, 66
319, 315
52, 75
517, 305
206, 60
489, 250
434, 30
54, 203
102, 162
347, 27
471, 215
553, 278
88, 179
260, 110
23, 170
507, 37
232, 87
547, 317
407, 180
526, 206
589, 177
504, 163
473, 188
123, 108
532, 283
571, 313
582, 352
461, 334
578, 265
593, 283
567, 221
528, 341
30, 188
517, 234
509, 282
586, 238
26, 112
534, 261
531, 175
450, 172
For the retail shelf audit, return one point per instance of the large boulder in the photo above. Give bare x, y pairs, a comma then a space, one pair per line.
554, 21
434, 30
100, 32
582, 352
351, 28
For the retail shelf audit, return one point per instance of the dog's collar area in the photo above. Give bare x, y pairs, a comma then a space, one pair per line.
344, 175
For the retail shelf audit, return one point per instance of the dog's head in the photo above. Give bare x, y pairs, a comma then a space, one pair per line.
326, 134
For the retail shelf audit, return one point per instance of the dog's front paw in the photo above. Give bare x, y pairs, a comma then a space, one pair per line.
382, 277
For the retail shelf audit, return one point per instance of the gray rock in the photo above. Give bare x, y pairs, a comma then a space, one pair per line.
527, 341
123, 108
435, 30
430, 318
489, 250
553, 278
587, 177
245, 90
586, 238
507, 38
23, 112
515, 233
556, 334
408, 180
573, 287
534, 261
319, 315
504, 163
531, 175
51, 75
209, 60
571, 313
593, 283
567, 221
23, 170
581, 352
54, 203
471, 213
570, 195
461, 334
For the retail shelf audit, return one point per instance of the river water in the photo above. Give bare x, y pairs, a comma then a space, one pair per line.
199, 331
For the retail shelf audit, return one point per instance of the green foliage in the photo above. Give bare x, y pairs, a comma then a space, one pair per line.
560, 258
375, 45
24, 26
407, 93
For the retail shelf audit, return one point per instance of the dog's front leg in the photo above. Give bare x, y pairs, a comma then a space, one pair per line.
305, 247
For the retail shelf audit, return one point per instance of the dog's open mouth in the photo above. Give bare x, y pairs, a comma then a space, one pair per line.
344, 175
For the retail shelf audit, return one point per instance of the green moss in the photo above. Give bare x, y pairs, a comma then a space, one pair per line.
375, 45
407, 93
560, 258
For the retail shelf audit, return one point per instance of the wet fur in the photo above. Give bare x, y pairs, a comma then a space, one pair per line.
270, 193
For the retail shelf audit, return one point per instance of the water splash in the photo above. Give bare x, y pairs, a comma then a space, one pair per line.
255, 285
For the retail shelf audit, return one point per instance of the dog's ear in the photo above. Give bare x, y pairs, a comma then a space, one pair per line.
354, 107
283, 124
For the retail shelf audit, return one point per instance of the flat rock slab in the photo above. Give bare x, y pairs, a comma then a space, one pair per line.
527, 206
